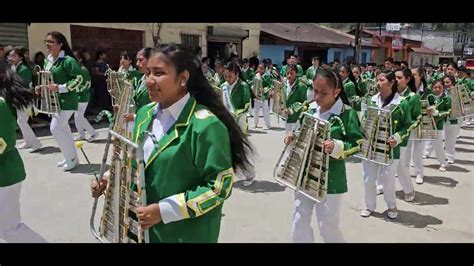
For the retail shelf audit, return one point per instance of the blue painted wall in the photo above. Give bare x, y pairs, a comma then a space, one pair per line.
343, 53
274, 52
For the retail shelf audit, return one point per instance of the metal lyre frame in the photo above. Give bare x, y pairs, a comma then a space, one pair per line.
461, 102
279, 99
426, 130
118, 223
375, 147
306, 167
49, 100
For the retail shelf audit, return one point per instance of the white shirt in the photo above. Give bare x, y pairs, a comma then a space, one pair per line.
227, 93
162, 121
336, 108
289, 87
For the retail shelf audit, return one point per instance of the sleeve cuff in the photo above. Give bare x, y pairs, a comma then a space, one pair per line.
173, 208
435, 112
338, 151
397, 138
62, 88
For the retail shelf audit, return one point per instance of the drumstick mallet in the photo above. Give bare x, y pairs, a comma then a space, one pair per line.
79, 145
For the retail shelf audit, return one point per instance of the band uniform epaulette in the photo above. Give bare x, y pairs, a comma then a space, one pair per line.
203, 114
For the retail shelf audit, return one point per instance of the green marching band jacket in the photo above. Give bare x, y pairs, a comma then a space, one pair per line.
349, 89
239, 97
442, 106
11, 164
66, 71
299, 73
84, 92
193, 165
25, 73
295, 99
345, 128
401, 119
140, 95
267, 84
311, 72
368, 75
414, 105
248, 74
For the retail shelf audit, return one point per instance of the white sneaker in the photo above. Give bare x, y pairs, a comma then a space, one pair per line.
450, 161
424, 156
392, 213
61, 163
247, 183
366, 213
36, 148
266, 128
419, 179
379, 190
442, 168
412, 164
410, 196
93, 137
69, 165
79, 138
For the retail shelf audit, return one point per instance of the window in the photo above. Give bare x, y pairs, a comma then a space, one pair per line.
190, 41
337, 55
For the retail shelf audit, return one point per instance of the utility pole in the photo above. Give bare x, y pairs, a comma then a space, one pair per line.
357, 43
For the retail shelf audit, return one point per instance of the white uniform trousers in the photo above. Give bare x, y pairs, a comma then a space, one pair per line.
12, 230
414, 152
327, 213
82, 125
28, 135
450, 133
403, 171
63, 135
438, 146
256, 112
387, 179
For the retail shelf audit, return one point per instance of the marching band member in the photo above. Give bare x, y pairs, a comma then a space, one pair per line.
407, 91
265, 90
389, 99
20, 66
219, 73
440, 106
313, 69
369, 72
190, 175
293, 60
295, 93
247, 73
82, 125
127, 68
67, 77
333, 106
361, 85
236, 93
14, 95
350, 85
140, 92
451, 129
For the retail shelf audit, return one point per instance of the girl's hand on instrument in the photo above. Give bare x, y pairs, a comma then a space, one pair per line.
149, 215
328, 146
289, 138
98, 189
38, 90
129, 117
392, 142
53, 87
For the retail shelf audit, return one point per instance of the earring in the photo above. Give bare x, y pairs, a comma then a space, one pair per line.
183, 82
